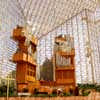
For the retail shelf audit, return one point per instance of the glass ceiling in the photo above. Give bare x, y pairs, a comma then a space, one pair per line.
46, 15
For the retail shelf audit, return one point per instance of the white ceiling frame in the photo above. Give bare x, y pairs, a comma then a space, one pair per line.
49, 14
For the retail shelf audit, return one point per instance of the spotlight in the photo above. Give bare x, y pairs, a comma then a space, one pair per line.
29, 22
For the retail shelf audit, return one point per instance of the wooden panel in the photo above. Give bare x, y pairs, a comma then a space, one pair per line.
19, 56
31, 73
65, 54
17, 34
34, 40
23, 57
21, 72
67, 73
22, 75
65, 81
65, 68
30, 78
65, 77
21, 86
22, 47
60, 39
31, 60
26, 64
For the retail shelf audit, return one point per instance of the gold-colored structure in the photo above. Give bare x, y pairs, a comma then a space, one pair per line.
25, 59
64, 68
64, 65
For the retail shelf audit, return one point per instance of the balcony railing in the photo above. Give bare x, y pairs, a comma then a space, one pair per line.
20, 56
18, 34
30, 78
65, 81
70, 53
65, 68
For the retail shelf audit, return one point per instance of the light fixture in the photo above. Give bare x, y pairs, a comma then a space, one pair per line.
33, 29
29, 23
63, 36
88, 49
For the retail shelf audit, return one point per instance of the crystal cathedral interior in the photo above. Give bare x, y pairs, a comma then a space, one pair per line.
49, 47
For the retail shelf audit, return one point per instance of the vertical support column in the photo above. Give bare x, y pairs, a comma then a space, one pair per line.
84, 31
80, 61
97, 35
89, 41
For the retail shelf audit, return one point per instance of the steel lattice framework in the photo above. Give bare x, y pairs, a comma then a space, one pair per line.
50, 18
46, 15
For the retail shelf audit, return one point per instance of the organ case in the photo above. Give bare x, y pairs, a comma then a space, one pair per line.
64, 53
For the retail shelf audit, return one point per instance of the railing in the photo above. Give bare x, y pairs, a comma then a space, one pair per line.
65, 68
70, 53
30, 78
19, 35
20, 56
65, 81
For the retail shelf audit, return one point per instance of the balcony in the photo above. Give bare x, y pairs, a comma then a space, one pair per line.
64, 54
60, 39
65, 81
19, 35
23, 57
34, 40
65, 68
30, 78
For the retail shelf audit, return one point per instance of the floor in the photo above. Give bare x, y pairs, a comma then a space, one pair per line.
92, 96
